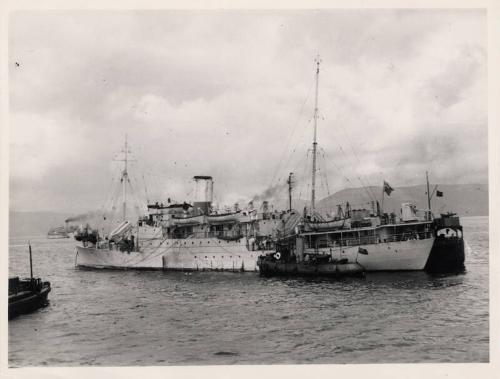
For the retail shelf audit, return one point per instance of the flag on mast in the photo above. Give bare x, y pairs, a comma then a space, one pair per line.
387, 188
439, 194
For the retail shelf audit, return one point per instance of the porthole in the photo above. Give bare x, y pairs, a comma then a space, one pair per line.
195, 256
192, 242
205, 256
214, 256
222, 256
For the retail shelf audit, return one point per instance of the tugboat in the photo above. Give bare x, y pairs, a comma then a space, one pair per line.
287, 262
27, 295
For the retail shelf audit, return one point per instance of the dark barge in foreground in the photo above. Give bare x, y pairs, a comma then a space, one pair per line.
27, 295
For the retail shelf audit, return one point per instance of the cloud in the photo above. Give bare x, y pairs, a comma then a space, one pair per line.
231, 94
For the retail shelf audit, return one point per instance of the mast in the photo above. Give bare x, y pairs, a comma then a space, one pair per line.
290, 183
31, 262
124, 179
315, 143
428, 194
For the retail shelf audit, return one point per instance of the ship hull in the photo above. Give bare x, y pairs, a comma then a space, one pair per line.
270, 268
220, 255
177, 255
57, 236
387, 256
26, 296
447, 256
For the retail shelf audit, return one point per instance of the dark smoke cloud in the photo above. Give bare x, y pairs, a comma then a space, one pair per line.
271, 192
86, 216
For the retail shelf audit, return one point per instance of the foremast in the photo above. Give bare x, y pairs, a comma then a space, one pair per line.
124, 178
315, 143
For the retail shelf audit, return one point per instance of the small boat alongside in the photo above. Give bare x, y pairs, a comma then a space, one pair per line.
27, 295
314, 265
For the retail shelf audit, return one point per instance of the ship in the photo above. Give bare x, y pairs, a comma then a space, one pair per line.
182, 236
58, 232
323, 265
375, 241
27, 295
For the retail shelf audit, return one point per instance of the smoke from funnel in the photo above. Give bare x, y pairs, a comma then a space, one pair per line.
84, 217
270, 193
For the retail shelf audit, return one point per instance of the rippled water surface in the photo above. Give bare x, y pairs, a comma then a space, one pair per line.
115, 318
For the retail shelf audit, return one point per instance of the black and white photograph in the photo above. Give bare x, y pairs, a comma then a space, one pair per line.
226, 187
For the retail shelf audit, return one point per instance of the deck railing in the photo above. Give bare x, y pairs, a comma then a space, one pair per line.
228, 235
367, 240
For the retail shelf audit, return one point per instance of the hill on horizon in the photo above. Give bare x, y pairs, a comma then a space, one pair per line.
463, 199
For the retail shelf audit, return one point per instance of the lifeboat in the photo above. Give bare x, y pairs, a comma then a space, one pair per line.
120, 230
186, 221
328, 225
224, 218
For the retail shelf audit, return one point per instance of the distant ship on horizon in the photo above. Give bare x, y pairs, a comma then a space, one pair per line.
57, 232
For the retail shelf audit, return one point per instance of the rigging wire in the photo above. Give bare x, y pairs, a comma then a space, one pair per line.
305, 180
290, 136
355, 155
294, 150
145, 189
370, 195
325, 171
109, 193
139, 201
135, 203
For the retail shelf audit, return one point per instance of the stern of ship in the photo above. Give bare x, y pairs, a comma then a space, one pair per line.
447, 253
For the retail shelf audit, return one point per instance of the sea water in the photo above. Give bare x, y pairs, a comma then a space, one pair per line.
125, 318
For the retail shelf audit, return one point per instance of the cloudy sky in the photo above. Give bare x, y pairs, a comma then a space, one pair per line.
231, 94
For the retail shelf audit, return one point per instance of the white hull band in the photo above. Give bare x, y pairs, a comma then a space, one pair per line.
220, 255
173, 254
385, 256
